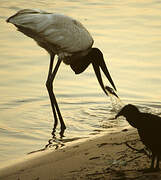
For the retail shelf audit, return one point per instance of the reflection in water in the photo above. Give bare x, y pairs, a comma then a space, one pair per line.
54, 143
57, 142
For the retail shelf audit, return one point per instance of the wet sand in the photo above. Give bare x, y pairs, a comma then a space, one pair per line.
105, 157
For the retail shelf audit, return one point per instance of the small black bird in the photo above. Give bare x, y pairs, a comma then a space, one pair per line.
149, 129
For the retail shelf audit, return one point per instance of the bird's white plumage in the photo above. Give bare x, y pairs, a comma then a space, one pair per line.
57, 33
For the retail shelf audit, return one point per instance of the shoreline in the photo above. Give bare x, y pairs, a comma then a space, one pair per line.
102, 157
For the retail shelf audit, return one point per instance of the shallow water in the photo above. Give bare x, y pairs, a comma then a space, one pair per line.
129, 35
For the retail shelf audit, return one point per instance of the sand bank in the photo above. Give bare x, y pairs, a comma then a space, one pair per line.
105, 157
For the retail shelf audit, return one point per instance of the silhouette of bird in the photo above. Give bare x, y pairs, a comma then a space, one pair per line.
149, 129
68, 39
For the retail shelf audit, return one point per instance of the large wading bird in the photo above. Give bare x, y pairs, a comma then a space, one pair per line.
149, 129
68, 39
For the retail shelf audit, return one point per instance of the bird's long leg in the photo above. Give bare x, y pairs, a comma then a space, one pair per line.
54, 104
48, 82
63, 127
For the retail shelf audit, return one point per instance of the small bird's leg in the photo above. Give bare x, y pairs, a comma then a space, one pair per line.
152, 162
158, 159
54, 104
151, 169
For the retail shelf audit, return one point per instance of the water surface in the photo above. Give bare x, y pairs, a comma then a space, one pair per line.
129, 35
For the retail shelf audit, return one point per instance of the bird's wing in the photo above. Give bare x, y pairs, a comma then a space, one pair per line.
150, 130
150, 121
60, 30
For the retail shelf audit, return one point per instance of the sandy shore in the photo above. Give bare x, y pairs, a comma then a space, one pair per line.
105, 157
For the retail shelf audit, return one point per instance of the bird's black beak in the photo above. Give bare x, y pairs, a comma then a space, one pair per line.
102, 65
106, 72
121, 112
118, 114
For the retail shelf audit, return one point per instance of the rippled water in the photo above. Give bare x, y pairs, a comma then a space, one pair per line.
129, 35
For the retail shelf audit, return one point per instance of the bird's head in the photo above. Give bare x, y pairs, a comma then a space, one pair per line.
95, 57
130, 112
127, 111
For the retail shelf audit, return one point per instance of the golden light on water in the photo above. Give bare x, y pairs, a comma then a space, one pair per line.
129, 35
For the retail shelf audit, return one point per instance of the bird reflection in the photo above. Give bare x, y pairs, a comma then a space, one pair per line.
54, 131
57, 141
54, 142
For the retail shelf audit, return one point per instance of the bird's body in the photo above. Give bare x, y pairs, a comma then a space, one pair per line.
68, 39
57, 33
149, 129
150, 132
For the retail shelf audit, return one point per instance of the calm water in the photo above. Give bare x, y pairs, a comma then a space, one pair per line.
128, 33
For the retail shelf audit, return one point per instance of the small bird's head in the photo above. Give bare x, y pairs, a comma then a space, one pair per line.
130, 112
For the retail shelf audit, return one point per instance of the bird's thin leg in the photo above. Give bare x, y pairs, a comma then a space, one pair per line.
48, 82
152, 162
53, 98
50, 69
151, 169
63, 127
158, 159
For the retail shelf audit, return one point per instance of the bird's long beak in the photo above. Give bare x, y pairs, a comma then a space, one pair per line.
102, 65
106, 72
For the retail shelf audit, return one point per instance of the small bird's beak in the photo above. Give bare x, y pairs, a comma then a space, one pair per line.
102, 65
118, 114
